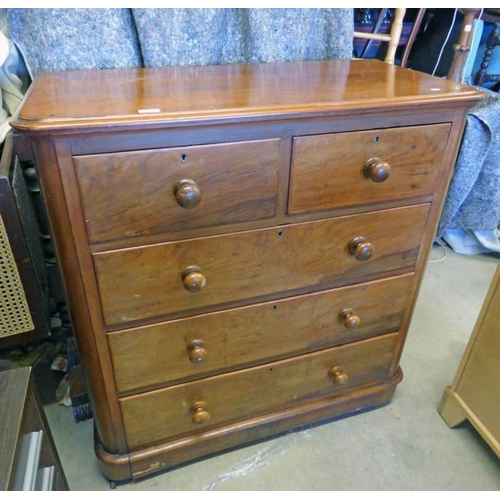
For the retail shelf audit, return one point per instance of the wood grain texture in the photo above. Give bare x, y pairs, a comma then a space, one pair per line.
91, 100
152, 459
327, 170
144, 283
255, 391
54, 162
125, 195
299, 262
255, 334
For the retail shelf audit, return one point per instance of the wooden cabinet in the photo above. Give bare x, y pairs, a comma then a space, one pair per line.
28, 457
241, 245
474, 394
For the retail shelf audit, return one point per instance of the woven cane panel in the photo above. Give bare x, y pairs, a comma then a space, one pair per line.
15, 315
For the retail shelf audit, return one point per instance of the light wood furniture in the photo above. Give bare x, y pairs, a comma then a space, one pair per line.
28, 456
474, 394
242, 245
392, 38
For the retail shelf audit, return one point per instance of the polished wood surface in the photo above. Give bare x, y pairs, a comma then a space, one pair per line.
247, 393
241, 337
125, 195
127, 289
91, 100
144, 283
474, 393
329, 170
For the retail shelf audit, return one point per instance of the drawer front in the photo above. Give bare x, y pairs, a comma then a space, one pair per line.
255, 391
328, 171
153, 281
125, 195
210, 343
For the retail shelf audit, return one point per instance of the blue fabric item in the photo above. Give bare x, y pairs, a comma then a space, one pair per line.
472, 242
74, 39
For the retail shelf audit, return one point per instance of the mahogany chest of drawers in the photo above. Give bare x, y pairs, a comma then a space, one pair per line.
241, 246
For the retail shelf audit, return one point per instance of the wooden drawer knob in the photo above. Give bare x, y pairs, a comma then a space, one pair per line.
350, 319
200, 413
187, 193
360, 248
339, 376
197, 351
377, 170
193, 279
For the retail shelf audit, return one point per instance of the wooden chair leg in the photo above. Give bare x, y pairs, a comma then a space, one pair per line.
413, 35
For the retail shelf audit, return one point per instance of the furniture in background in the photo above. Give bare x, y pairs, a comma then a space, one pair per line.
463, 46
396, 32
28, 457
493, 40
242, 246
470, 221
474, 394
24, 280
392, 38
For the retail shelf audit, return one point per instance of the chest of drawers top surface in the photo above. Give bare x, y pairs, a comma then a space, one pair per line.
92, 99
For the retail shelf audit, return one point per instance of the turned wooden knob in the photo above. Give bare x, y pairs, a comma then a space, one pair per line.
360, 248
187, 193
377, 170
339, 376
197, 351
200, 413
350, 319
193, 279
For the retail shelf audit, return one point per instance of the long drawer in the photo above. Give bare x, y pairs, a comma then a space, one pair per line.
167, 191
201, 405
359, 168
184, 277
212, 343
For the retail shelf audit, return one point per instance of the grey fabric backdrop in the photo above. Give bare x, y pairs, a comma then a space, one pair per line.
72, 39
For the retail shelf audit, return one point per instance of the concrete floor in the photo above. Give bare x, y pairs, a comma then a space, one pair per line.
403, 446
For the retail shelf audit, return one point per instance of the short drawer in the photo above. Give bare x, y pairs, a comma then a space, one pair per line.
214, 401
164, 192
194, 276
212, 343
359, 168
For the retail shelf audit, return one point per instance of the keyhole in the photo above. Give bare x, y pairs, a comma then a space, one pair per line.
377, 139
280, 234
184, 158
